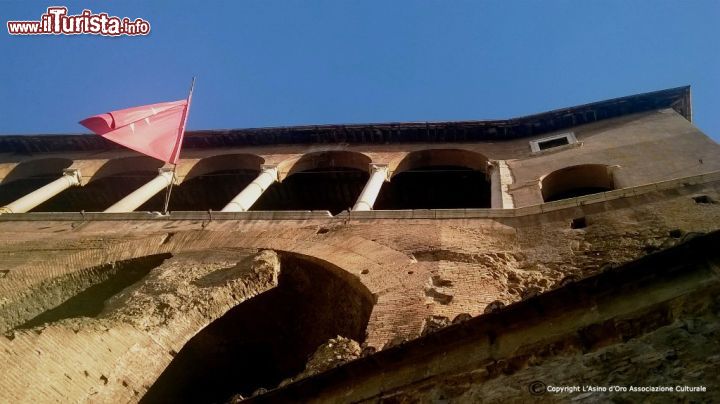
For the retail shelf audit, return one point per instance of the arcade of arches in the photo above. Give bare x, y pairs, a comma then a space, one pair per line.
333, 181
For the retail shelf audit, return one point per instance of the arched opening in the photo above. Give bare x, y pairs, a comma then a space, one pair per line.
268, 338
30, 175
329, 181
214, 181
437, 179
574, 181
111, 182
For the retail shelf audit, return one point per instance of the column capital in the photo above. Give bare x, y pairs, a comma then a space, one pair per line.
270, 169
163, 171
379, 167
74, 174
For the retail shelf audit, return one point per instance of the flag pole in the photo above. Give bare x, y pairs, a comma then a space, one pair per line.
179, 145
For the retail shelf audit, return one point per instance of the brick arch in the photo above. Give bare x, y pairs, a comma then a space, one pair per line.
222, 162
29, 176
439, 157
105, 183
210, 183
121, 165
37, 167
324, 159
383, 271
436, 178
374, 270
321, 181
241, 350
577, 180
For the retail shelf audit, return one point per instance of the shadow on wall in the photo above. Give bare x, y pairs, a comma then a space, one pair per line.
90, 302
268, 338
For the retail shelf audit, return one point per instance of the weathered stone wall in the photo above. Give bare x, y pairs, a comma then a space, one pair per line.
414, 269
652, 322
642, 149
116, 355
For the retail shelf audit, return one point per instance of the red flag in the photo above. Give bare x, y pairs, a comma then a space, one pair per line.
156, 130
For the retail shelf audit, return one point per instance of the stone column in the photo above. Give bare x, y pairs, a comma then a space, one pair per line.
500, 181
248, 196
144, 193
366, 200
70, 178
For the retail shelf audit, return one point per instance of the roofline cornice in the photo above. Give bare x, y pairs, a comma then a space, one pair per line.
383, 133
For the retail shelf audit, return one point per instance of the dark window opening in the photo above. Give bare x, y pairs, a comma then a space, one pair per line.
113, 181
548, 144
210, 184
575, 181
97, 195
334, 189
208, 191
268, 338
435, 187
578, 223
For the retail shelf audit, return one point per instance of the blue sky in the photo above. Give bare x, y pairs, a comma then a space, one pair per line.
275, 63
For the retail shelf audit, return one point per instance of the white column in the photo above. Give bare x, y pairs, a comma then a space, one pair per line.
248, 196
70, 178
366, 200
144, 193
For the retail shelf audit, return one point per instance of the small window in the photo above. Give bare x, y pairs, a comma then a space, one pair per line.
550, 142
578, 223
